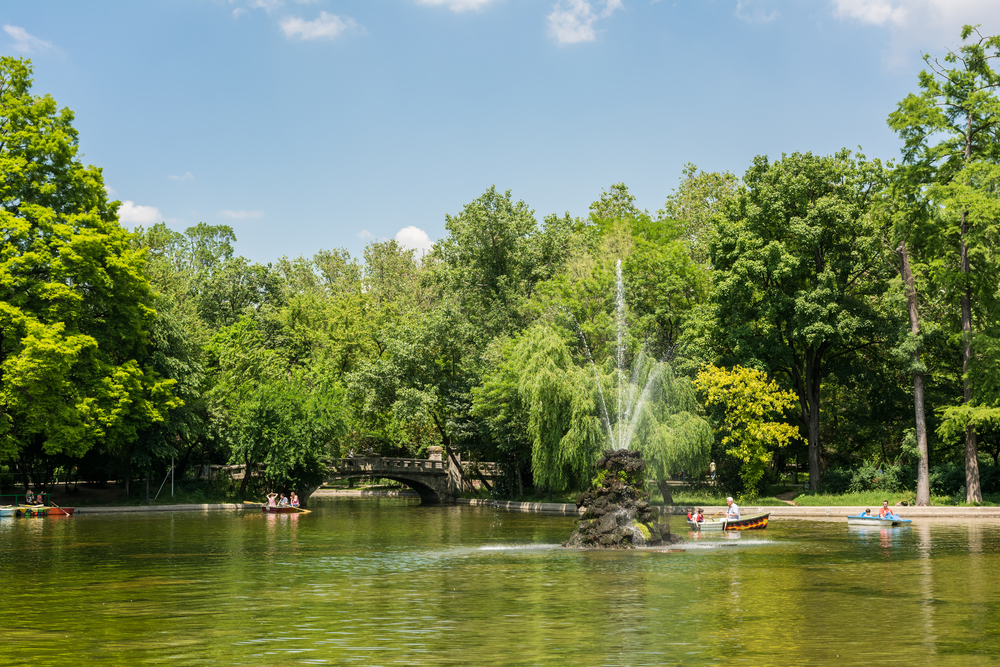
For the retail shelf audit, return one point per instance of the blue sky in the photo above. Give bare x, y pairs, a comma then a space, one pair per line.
331, 123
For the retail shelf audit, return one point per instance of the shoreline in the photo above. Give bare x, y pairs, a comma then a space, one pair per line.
778, 512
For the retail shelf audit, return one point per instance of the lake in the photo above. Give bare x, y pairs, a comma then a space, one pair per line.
390, 582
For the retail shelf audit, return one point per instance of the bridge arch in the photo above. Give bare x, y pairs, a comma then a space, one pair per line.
431, 479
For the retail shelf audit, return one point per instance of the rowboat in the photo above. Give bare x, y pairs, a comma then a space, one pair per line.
284, 509
888, 521
748, 522
7, 510
31, 510
60, 511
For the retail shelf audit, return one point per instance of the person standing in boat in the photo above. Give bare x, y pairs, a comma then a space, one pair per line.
733, 513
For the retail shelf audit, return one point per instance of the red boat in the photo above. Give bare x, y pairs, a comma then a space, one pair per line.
60, 511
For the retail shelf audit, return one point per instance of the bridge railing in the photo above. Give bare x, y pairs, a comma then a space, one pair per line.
379, 464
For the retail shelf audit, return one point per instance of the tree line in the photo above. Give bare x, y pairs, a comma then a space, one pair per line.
833, 310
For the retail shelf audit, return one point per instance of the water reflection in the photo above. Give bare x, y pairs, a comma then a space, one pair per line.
388, 582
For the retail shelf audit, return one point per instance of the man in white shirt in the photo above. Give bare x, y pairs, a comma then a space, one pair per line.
733, 513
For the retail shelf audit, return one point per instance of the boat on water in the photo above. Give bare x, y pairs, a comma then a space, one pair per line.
282, 509
7, 510
31, 510
747, 522
60, 511
888, 521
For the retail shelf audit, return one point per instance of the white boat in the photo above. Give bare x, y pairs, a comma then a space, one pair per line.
882, 522
7, 510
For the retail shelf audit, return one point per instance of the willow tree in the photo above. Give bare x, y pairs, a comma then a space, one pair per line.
559, 398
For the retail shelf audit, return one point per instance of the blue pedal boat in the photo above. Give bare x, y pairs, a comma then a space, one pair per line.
887, 521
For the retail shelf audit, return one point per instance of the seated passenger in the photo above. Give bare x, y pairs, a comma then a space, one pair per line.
294, 500
867, 512
39, 499
885, 511
29, 498
282, 501
271, 499
733, 511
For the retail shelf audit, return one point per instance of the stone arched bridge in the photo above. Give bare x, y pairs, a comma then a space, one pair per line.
435, 480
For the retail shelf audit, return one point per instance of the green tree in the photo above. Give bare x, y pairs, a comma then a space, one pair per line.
75, 306
951, 134
700, 196
749, 403
801, 275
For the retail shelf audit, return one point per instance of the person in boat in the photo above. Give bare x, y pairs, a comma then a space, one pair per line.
886, 511
867, 512
282, 501
294, 500
39, 499
29, 498
699, 515
733, 511
271, 499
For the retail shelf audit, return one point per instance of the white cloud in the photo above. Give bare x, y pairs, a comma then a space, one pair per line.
746, 10
110, 190
916, 26
186, 176
572, 21
267, 5
141, 215
25, 42
326, 26
456, 5
414, 238
240, 215
365, 234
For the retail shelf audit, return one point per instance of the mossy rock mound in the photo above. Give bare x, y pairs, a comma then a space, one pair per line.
617, 515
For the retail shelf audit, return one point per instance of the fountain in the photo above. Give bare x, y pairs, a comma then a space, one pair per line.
617, 514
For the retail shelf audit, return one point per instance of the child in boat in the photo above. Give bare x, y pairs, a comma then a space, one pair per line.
867, 512
295, 500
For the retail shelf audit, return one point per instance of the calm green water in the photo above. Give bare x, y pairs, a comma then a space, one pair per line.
388, 582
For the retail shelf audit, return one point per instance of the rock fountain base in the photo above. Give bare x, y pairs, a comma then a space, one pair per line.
617, 514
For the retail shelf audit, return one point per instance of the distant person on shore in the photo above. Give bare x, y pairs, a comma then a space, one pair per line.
271, 499
295, 500
733, 513
711, 470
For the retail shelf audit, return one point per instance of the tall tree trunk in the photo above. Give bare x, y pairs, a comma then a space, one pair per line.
812, 398
973, 492
923, 464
